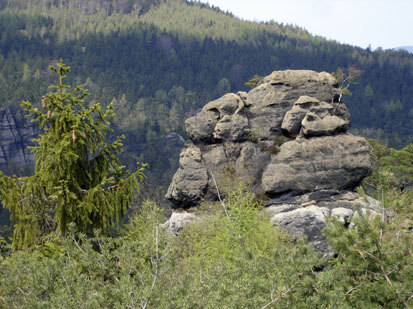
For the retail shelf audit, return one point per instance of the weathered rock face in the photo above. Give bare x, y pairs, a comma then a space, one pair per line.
190, 182
14, 139
286, 138
305, 215
327, 162
315, 118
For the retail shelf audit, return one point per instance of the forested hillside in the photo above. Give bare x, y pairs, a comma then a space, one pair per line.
158, 61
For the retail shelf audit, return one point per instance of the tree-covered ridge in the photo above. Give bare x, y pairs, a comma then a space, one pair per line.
199, 20
187, 18
87, 7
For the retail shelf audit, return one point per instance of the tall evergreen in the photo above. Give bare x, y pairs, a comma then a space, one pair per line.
78, 177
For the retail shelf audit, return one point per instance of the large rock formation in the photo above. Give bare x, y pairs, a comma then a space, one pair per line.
287, 138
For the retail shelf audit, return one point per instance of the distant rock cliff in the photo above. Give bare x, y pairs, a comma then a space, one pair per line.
287, 138
16, 133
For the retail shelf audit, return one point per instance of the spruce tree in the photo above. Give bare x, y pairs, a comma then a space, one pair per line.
78, 177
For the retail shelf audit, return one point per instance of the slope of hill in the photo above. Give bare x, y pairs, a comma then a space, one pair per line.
159, 61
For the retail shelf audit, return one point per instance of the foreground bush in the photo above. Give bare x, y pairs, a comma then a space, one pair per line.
232, 260
240, 260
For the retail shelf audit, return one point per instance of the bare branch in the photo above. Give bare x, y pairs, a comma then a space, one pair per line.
380, 263
276, 299
219, 196
352, 289
155, 266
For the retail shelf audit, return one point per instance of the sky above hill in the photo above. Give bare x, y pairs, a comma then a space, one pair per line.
384, 23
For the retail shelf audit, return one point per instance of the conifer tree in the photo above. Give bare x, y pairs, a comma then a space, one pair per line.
78, 177
254, 81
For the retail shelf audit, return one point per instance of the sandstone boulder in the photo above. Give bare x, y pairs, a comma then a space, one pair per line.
316, 118
313, 125
308, 221
269, 102
327, 162
179, 220
305, 215
304, 105
190, 181
200, 128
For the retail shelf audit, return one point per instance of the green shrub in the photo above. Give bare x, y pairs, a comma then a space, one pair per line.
374, 266
281, 139
239, 260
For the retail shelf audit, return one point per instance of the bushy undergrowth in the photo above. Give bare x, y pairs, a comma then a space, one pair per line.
374, 268
234, 261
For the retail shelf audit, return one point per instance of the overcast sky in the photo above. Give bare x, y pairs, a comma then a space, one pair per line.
384, 23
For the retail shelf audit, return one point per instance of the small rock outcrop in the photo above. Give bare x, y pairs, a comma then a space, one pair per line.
287, 138
16, 133
191, 179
